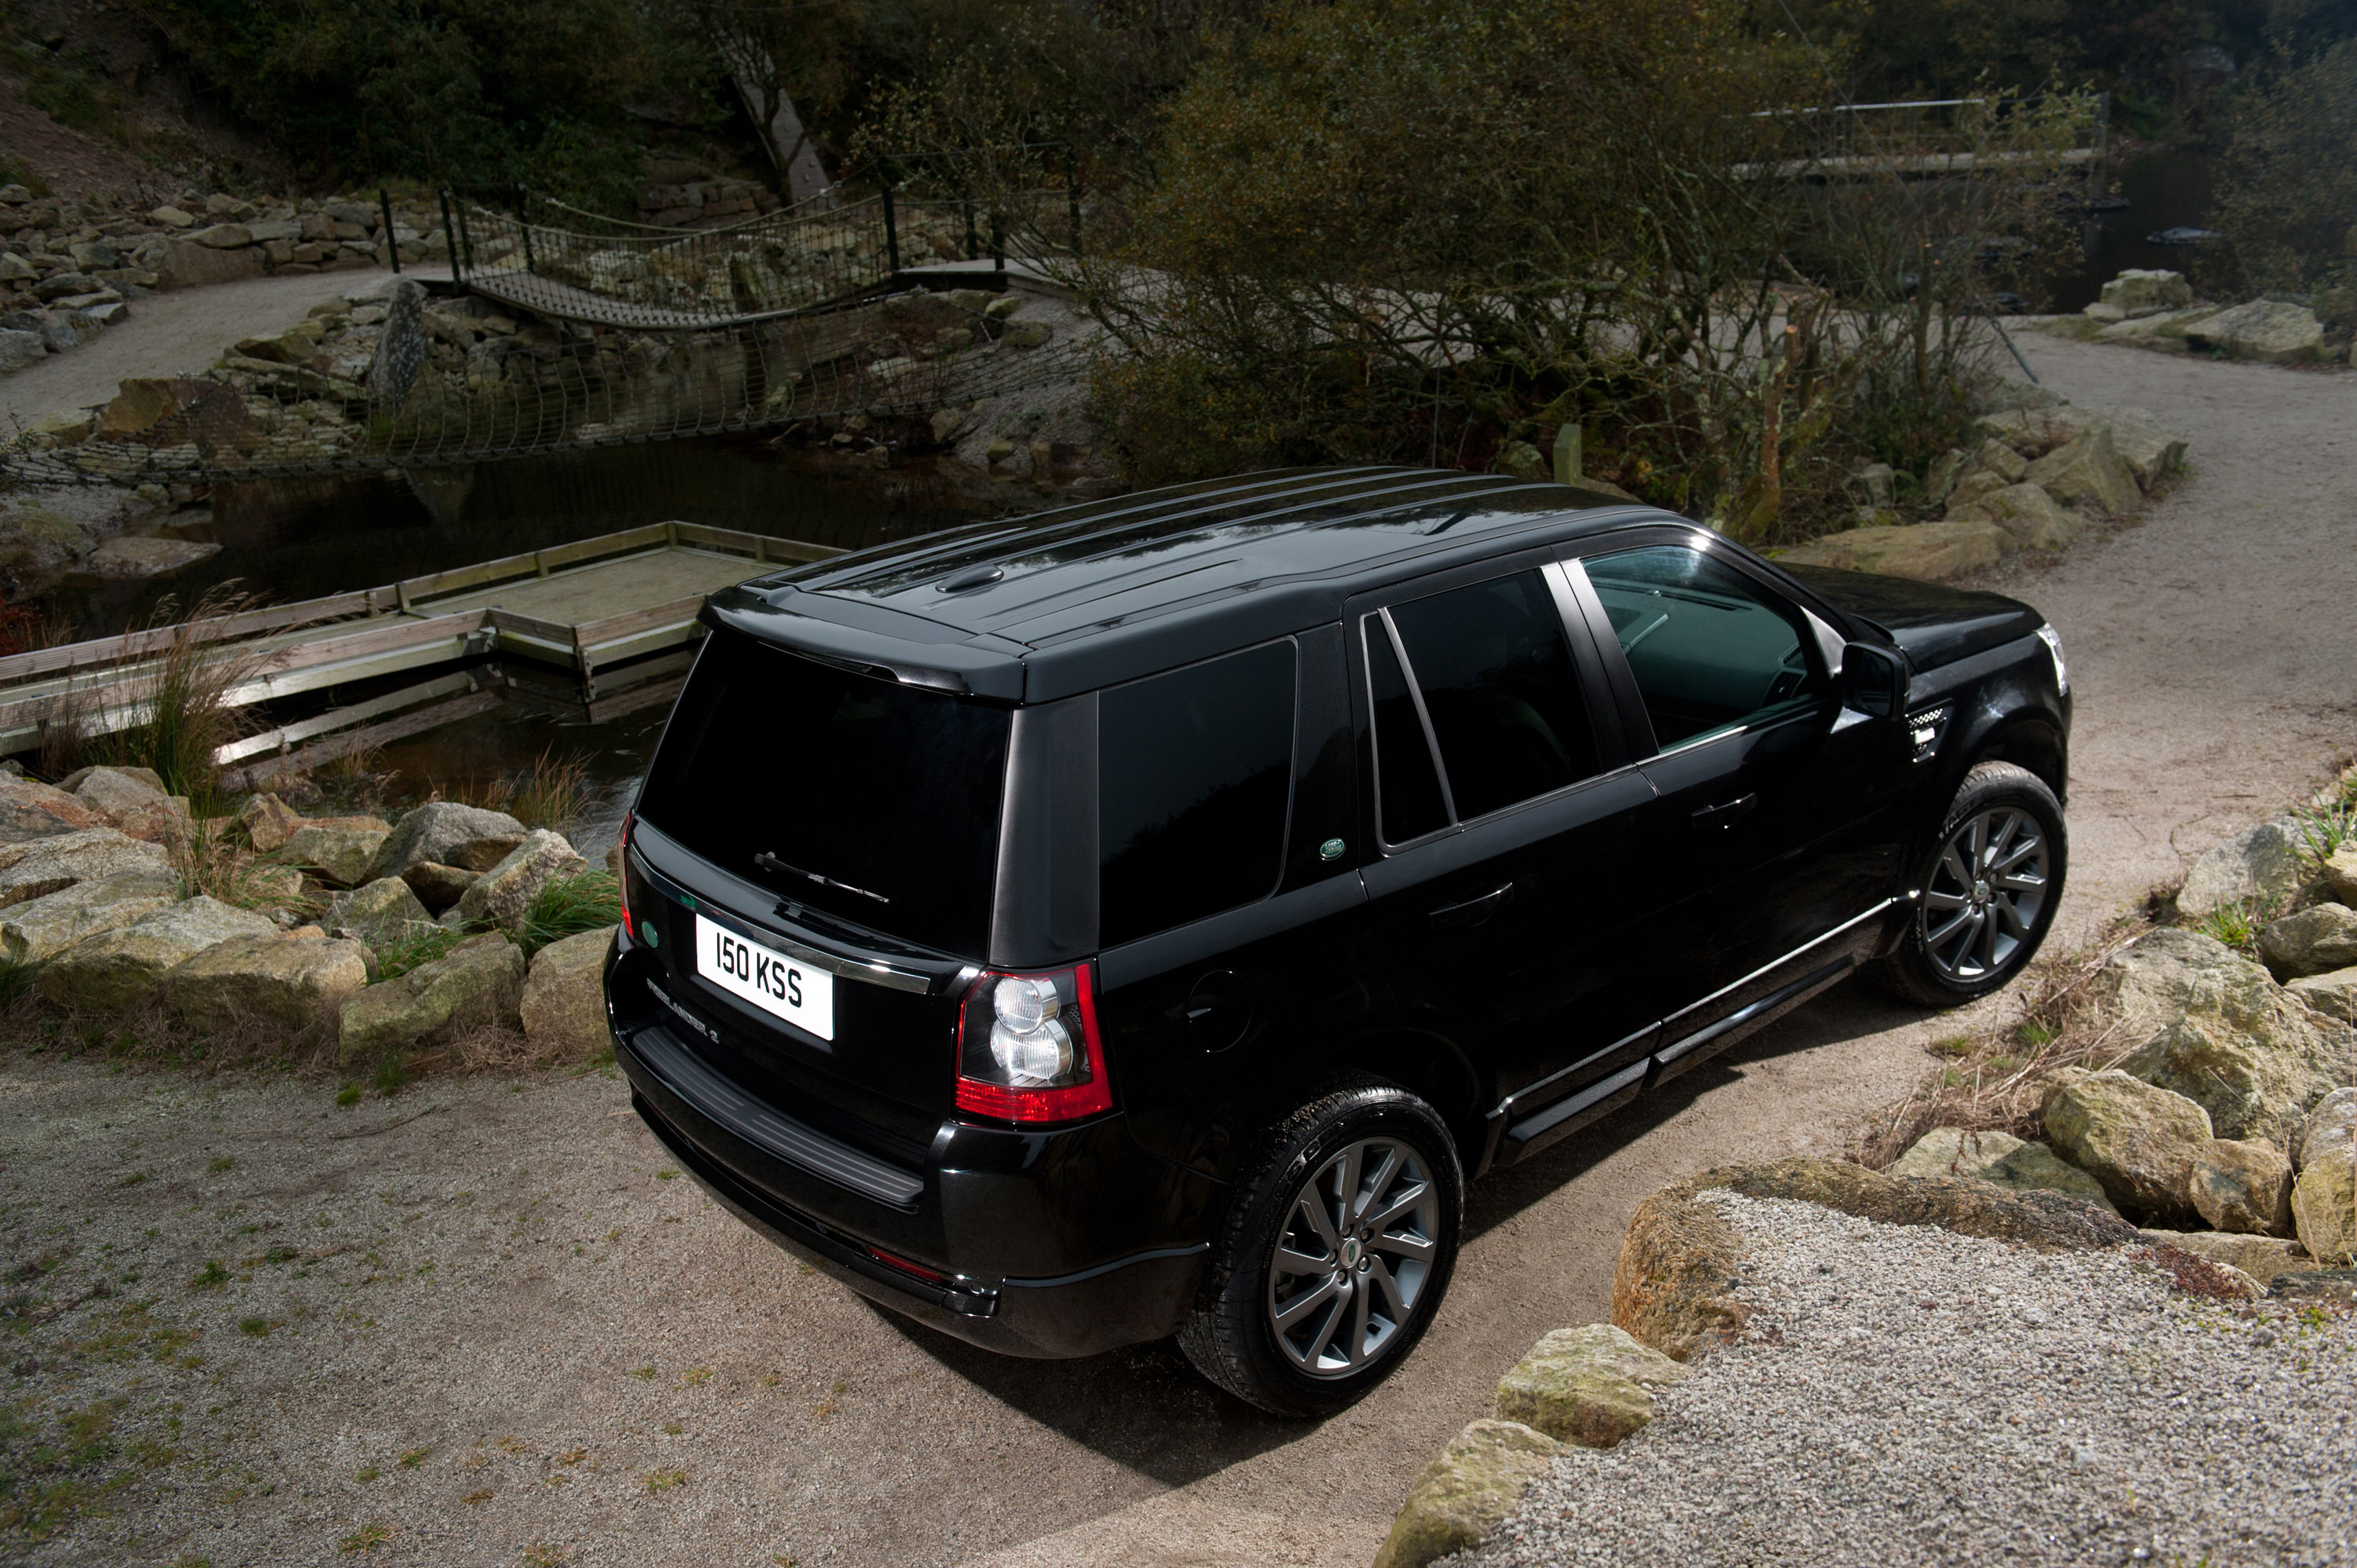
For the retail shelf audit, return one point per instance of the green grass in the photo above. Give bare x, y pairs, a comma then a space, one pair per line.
17, 981
568, 905
418, 946
2235, 924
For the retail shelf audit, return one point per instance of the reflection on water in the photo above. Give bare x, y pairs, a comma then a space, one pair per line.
2168, 188
300, 539
503, 742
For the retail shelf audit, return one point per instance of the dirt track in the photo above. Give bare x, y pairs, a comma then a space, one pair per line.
512, 1286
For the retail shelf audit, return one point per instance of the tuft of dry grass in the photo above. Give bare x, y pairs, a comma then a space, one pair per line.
549, 793
210, 860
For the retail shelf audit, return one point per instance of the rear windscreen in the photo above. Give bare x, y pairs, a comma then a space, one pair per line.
864, 797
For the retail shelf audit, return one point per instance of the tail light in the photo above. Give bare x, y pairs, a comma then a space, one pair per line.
629, 925
1028, 1049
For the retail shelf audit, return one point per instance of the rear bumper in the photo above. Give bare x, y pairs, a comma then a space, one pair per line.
1140, 1295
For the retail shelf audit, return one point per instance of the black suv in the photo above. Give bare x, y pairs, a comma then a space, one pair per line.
1140, 918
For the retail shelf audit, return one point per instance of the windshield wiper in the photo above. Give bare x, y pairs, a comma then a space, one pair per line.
769, 862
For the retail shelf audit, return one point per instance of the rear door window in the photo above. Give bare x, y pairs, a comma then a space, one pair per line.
1194, 777
871, 801
1712, 650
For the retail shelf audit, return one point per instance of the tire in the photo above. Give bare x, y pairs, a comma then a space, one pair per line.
1344, 1328
1972, 932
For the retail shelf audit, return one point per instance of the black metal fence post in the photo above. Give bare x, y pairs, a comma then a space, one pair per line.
523, 222
997, 246
1073, 198
392, 245
450, 238
466, 240
891, 230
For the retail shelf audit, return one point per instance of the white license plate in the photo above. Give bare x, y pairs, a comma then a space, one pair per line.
801, 995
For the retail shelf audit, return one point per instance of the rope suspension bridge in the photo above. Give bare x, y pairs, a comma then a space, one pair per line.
880, 307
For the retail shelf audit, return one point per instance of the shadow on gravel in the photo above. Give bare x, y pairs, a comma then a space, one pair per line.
1145, 1409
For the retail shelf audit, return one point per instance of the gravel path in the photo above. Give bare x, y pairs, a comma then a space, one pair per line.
1908, 1396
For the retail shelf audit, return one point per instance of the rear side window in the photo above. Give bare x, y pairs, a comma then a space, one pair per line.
1711, 649
1194, 772
1499, 685
1407, 787
784, 770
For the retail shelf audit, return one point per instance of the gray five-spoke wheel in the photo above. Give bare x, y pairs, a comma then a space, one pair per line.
1987, 892
1353, 1258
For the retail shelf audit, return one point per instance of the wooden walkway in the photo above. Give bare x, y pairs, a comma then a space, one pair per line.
613, 617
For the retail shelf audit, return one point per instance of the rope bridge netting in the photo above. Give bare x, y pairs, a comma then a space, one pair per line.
628, 335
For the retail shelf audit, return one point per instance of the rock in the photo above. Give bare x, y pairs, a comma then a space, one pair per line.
340, 849
19, 349
114, 791
222, 236
2089, 472
31, 810
2042, 1220
274, 885
1026, 334
2261, 1257
563, 1005
39, 928
2166, 331
2243, 1185
1940, 482
154, 781
2340, 872
2146, 446
501, 894
296, 984
2263, 329
2102, 312
2138, 1141
2032, 431
269, 821
2027, 513
39, 540
122, 968
145, 403
2034, 1167
1874, 481
191, 265
1518, 458
477, 983
2252, 1073
1953, 1152
2315, 1285
378, 911
171, 217
2313, 940
2332, 1122
42, 867
438, 886
134, 559
2324, 1201
1591, 1386
1466, 1492
447, 833
1926, 552
2140, 292
2269, 865
2334, 994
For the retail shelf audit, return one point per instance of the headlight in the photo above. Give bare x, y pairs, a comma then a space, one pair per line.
2053, 641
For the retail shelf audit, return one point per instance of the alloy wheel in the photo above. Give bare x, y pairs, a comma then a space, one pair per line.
1987, 892
1354, 1258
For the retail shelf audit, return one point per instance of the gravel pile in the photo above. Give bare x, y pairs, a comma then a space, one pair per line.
1906, 1395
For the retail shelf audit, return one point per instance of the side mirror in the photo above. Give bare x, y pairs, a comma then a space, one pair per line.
1874, 680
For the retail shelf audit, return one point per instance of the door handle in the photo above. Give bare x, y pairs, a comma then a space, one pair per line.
1726, 813
1473, 911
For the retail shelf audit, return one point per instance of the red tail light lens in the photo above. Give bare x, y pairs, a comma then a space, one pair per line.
1028, 1049
629, 927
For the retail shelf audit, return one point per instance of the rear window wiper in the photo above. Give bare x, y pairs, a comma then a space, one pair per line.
769, 862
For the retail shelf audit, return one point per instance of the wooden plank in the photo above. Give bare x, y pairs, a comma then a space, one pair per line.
379, 639
604, 544
619, 678
613, 629
311, 757
138, 644
635, 699
624, 651
527, 626
285, 735
760, 546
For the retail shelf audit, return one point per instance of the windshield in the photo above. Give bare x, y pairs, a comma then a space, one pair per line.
868, 799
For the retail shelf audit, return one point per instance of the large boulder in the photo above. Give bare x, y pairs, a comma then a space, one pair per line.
39, 930
501, 894
2033, 519
2034, 1167
2324, 1202
564, 1006
164, 822
2139, 291
2138, 1141
375, 913
2250, 1086
438, 886
340, 849
2339, 870
2243, 1186
2314, 940
269, 821
2261, 1257
2334, 994
477, 983
298, 983
2089, 472
2268, 329
122, 968
189, 264
1926, 552
36, 540
2333, 1122
1466, 1492
41, 866
1591, 1386
2152, 452
2269, 864
1955, 1151
446, 833
30, 811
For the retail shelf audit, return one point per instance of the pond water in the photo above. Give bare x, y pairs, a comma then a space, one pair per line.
298, 539
2167, 187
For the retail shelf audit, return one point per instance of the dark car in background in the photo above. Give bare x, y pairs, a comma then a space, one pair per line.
1144, 917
